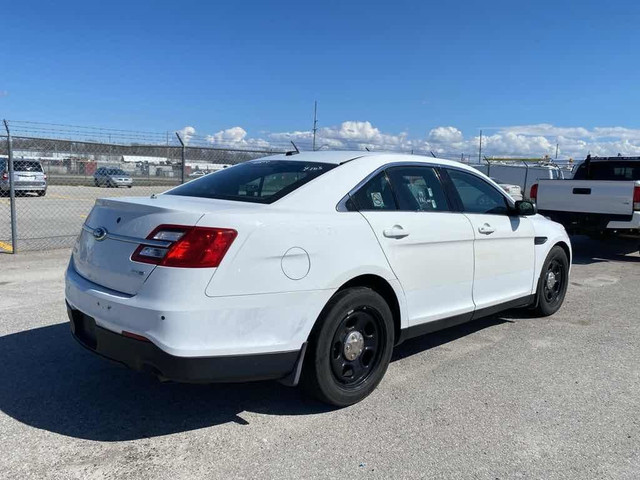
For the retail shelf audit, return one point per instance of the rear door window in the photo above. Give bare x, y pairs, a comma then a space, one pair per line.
257, 181
376, 194
418, 189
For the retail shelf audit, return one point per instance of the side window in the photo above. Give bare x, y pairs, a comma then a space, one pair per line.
374, 195
418, 189
477, 195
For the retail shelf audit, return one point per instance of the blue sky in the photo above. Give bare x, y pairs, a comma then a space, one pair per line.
401, 69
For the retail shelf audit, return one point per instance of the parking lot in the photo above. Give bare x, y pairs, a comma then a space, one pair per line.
53, 221
504, 397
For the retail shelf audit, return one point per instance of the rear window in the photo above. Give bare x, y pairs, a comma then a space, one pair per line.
258, 181
26, 166
608, 171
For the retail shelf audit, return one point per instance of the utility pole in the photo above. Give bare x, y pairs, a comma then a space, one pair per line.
315, 124
480, 149
557, 145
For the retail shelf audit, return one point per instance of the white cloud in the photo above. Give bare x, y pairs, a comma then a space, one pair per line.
445, 135
186, 134
230, 135
535, 140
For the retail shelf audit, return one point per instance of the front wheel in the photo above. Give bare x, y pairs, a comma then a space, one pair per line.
350, 348
553, 282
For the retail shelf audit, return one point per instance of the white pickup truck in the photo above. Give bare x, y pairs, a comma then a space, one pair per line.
602, 199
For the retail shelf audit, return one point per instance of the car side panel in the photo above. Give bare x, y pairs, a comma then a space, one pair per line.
294, 250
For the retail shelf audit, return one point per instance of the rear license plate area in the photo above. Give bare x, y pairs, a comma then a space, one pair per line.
84, 328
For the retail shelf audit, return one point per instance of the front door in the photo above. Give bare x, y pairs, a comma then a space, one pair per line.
504, 243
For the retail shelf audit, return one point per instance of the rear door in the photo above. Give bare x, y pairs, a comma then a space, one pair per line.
504, 243
429, 247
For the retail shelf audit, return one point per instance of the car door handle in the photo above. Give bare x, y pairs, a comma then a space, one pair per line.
486, 229
395, 232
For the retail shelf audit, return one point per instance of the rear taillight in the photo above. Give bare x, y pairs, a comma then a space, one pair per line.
534, 192
5, 176
636, 198
45, 176
186, 247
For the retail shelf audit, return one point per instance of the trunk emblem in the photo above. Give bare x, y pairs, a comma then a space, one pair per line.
100, 234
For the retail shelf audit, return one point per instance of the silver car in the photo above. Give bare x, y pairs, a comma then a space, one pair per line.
112, 177
28, 177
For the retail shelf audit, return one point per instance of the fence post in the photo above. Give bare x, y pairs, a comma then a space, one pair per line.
183, 157
12, 192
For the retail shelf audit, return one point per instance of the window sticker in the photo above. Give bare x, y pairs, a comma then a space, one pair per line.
376, 198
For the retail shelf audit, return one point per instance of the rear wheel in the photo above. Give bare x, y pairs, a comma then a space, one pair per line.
350, 348
42, 193
553, 282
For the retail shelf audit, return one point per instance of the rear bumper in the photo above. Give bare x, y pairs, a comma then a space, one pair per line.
24, 186
144, 356
578, 222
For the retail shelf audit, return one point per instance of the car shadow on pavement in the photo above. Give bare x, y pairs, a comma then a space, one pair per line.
587, 251
50, 382
432, 340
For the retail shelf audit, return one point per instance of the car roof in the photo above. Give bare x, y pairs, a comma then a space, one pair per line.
340, 157
334, 157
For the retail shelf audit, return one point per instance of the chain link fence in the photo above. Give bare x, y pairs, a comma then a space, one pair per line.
60, 171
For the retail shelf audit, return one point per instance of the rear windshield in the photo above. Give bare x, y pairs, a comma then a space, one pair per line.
608, 171
258, 181
116, 171
26, 166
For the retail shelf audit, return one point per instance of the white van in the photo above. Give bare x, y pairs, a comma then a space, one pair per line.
520, 174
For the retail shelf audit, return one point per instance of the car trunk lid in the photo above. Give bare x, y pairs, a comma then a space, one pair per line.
113, 231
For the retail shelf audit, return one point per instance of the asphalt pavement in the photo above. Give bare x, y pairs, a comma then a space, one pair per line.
505, 397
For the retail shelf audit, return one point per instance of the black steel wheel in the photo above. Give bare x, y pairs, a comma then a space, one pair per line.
356, 346
553, 282
349, 348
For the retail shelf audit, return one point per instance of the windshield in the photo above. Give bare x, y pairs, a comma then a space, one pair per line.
623, 170
258, 181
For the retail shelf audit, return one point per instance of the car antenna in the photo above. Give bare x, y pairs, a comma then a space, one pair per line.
367, 149
289, 153
432, 154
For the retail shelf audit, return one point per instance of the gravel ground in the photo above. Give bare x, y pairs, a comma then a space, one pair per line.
505, 397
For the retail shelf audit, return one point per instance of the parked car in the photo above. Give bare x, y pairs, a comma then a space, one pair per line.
513, 190
198, 173
112, 177
603, 198
28, 177
306, 268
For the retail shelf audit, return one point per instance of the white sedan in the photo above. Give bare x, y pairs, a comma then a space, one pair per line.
306, 268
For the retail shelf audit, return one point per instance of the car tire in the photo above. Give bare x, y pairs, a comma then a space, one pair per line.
553, 282
42, 193
350, 348
96, 182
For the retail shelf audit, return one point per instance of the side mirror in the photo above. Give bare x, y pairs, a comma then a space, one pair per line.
525, 208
